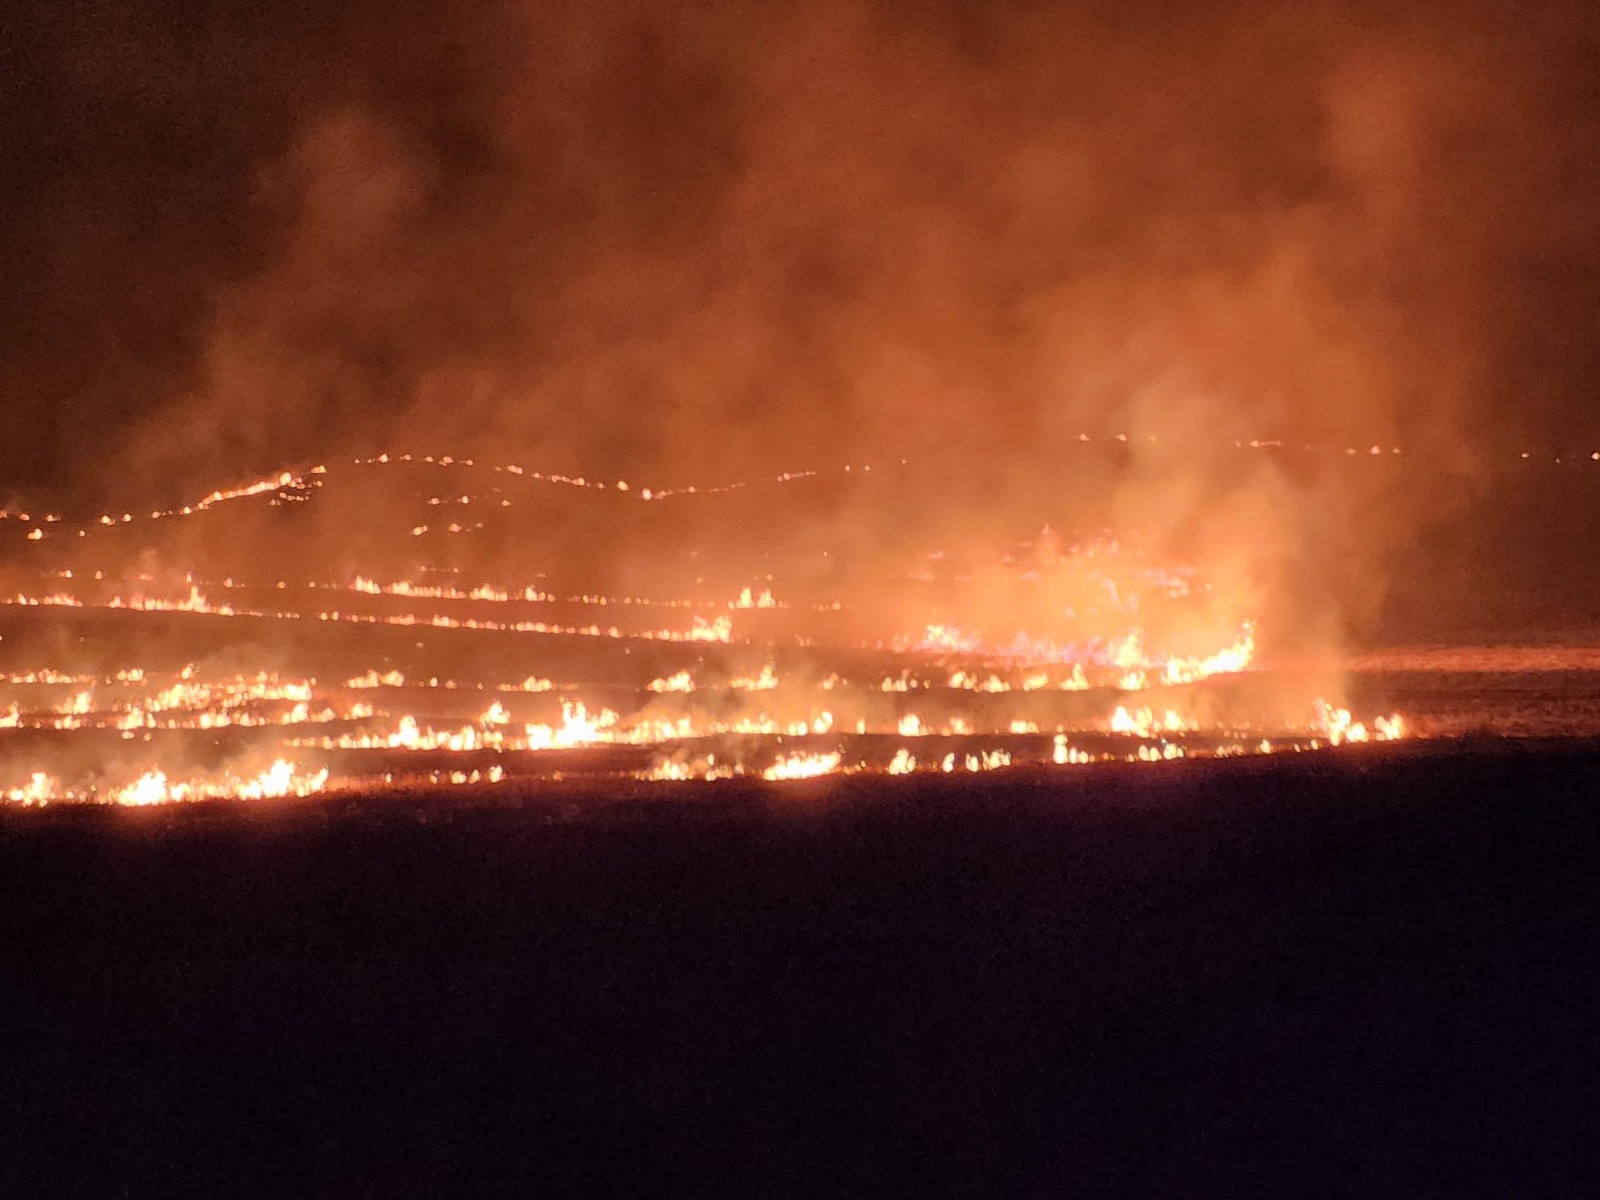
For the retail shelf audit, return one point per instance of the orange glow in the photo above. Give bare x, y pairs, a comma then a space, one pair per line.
1042, 663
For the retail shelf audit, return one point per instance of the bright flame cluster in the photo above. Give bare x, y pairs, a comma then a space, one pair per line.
725, 691
280, 779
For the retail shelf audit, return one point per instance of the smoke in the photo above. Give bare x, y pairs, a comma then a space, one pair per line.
678, 243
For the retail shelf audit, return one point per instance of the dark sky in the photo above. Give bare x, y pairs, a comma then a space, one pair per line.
679, 240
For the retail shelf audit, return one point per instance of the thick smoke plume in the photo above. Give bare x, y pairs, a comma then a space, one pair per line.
674, 242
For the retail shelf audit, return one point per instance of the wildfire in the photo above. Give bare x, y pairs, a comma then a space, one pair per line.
1145, 723
764, 680
695, 675
1337, 725
746, 599
577, 728
679, 681
803, 766
281, 779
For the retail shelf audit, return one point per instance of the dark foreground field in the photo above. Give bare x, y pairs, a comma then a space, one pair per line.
1355, 974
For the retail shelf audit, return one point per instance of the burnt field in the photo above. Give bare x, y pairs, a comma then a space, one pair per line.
1369, 971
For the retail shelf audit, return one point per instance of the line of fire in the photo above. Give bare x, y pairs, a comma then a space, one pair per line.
258, 655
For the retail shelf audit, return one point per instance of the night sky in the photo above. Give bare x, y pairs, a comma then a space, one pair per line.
705, 240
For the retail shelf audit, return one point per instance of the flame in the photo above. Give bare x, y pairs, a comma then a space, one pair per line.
40, 789
1390, 728
745, 599
803, 766
1339, 727
1063, 754
764, 680
1145, 722
282, 778
1105, 638
678, 682
578, 728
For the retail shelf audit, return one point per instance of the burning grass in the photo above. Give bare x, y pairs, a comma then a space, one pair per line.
143, 686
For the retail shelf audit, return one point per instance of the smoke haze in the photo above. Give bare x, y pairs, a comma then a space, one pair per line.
680, 243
